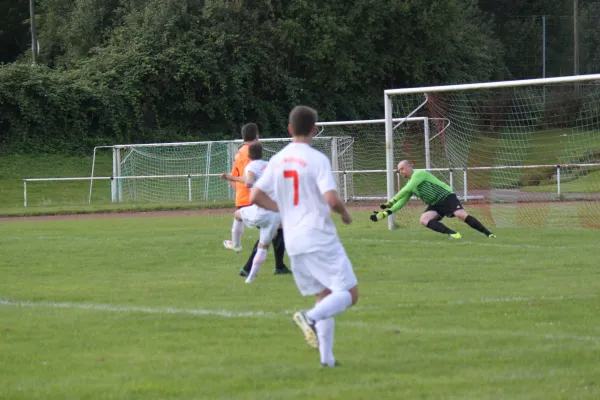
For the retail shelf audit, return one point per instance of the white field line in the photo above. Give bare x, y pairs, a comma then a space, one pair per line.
466, 243
263, 314
496, 300
267, 314
133, 309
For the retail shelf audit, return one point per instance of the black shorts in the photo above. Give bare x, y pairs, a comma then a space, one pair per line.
447, 207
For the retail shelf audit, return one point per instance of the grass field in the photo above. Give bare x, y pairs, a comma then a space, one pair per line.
152, 308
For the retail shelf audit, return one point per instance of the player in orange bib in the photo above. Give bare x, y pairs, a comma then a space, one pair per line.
250, 135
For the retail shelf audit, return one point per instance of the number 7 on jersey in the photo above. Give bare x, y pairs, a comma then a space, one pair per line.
292, 173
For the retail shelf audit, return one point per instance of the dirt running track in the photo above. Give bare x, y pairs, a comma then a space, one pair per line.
146, 214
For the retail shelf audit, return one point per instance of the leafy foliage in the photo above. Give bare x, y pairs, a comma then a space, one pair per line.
132, 70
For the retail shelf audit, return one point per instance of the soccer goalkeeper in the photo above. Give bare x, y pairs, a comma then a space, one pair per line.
437, 195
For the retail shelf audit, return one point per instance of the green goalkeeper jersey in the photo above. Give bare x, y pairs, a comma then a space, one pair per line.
423, 185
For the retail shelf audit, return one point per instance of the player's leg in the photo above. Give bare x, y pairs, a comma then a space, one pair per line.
431, 219
268, 228
237, 230
279, 250
248, 266
473, 222
332, 270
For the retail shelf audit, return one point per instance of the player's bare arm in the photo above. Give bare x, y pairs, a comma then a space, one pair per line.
231, 178
336, 204
250, 178
261, 199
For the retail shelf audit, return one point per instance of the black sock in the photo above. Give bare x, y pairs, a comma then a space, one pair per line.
279, 249
248, 265
437, 226
475, 224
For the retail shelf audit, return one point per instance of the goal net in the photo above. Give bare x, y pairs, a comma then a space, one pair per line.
519, 153
181, 172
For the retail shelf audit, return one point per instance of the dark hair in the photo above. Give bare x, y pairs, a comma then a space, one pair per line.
303, 119
249, 132
255, 151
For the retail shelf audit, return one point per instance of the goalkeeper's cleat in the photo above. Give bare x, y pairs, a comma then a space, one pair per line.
243, 272
228, 244
250, 279
455, 235
492, 236
308, 328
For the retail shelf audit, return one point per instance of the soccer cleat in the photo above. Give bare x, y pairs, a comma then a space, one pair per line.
282, 271
243, 272
249, 279
335, 364
310, 333
455, 235
492, 236
228, 244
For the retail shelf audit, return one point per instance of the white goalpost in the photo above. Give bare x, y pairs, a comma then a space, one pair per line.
527, 152
189, 171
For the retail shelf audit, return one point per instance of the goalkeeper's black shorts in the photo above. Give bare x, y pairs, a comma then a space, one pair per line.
447, 207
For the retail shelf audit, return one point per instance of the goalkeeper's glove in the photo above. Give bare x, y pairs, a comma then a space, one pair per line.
387, 205
379, 215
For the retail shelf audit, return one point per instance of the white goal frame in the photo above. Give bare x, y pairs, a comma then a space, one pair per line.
389, 120
340, 174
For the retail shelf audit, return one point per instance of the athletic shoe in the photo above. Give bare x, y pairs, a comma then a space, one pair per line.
282, 271
492, 236
455, 235
336, 364
249, 280
228, 244
243, 272
310, 333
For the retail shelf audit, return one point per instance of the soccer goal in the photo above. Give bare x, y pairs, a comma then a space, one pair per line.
519, 153
189, 171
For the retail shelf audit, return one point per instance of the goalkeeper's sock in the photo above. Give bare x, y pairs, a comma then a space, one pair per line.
259, 260
332, 304
236, 232
437, 226
475, 224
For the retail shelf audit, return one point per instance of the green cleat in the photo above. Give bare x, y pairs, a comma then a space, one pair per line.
244, 273
455, 235
282, 271
492, 236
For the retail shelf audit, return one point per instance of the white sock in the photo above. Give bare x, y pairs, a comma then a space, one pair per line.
257, 262
236, 232
331, 305
325, 332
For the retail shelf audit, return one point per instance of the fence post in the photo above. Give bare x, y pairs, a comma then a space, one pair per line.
189, 187
465, 192
24, 193
558, 180
451, 178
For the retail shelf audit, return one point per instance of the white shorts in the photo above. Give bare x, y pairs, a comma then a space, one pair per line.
315, 272
267, 221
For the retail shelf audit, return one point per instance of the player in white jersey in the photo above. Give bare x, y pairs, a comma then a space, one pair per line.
253, 216
299, 183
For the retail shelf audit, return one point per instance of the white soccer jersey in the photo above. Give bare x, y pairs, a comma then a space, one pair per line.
296, 178
257, 167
